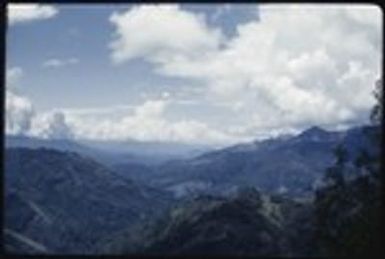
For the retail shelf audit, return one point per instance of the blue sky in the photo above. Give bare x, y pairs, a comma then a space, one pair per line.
84, 32
193, 73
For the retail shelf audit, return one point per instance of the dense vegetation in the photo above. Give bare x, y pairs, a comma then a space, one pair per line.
61, 202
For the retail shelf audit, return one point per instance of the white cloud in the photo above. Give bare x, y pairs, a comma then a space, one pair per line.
147, 122
18, 114
297, 65
51, 125
55, 63
23, 13
144, 122
159, 32
19, 110
110, 110
151, 109
366, 14
21, 117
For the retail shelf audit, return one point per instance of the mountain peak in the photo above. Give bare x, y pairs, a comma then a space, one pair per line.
314, 133
315, 129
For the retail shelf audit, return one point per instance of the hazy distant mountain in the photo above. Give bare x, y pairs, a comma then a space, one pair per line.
63, 145
61, 202
151, 149
292, 165
114, 152
34, 143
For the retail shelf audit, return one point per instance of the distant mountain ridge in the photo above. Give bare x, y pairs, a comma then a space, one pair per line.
59, 145
248, 222
113, 152
294, 165
291, 164
148, 148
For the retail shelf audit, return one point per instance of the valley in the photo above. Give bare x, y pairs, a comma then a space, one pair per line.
60, 200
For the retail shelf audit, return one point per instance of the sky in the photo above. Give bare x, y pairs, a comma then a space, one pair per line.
192, 73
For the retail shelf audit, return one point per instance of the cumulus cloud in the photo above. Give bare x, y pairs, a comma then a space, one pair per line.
19, 113
24, 13
160, 32
147, 122
55, 63
19, 110
51, 125
21, 117
296, 65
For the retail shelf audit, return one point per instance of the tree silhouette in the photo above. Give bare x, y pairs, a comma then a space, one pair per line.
348, 213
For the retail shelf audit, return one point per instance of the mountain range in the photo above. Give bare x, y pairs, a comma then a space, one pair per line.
65, 197
113, 152
293, 165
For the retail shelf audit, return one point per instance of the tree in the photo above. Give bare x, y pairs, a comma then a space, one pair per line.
370, 162
376, 114
349, 218
336, 172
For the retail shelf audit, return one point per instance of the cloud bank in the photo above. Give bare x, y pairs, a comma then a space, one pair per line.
147, 122
297, 65
294, 66
51, 125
